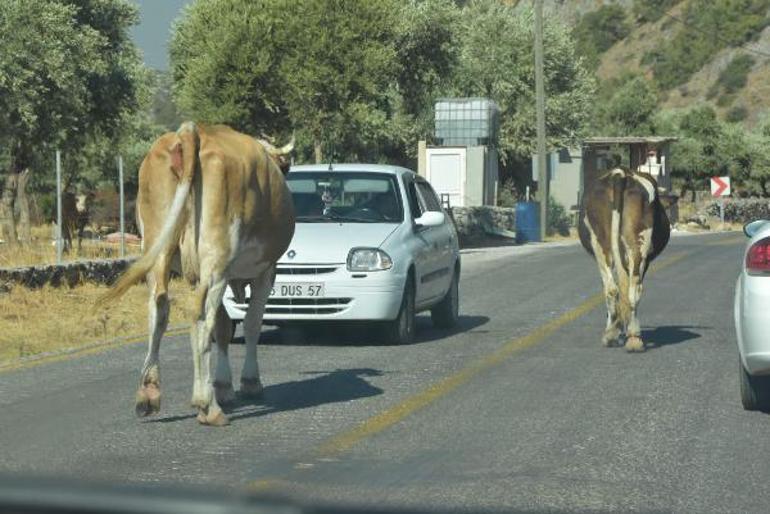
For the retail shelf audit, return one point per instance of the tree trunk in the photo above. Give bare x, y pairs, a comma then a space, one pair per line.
22, 205
318, 152
7, 221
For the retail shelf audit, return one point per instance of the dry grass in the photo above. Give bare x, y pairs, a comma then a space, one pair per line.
49, 319
572, 236
42, 250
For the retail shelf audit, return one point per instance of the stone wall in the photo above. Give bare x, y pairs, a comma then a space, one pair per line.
476, 224
104, 271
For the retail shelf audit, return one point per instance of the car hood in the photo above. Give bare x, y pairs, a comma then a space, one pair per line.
329, 243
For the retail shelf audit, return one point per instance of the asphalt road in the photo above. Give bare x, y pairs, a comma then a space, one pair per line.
521, 408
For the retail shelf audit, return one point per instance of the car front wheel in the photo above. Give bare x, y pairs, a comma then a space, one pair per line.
446, 313
401, 330
754, 390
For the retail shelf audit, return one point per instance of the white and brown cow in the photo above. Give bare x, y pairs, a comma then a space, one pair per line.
624, 226
213, 203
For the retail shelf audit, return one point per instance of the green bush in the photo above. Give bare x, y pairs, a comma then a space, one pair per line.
559, 221
711, 25
736, 114
725, 100
506, 195
647, 11
598, 30
733, 78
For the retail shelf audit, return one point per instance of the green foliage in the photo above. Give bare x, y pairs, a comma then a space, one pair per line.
648, 11
506, 195
360, 80
628, 107
711, 25
737, 114
164, 110
733, 78
708, 147
68, 70
598, 30
342, 75
496, 61
558, 220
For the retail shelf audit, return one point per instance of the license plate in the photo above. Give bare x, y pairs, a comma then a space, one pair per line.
297, 290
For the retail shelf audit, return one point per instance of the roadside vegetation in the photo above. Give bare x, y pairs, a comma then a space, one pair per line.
711, 25
55, 320
41, 250
366, 94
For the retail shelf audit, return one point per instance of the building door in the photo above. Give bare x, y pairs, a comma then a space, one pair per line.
446, 172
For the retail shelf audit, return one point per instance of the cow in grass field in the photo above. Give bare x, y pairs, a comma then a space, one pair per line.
76, 215
624, 225
212, 203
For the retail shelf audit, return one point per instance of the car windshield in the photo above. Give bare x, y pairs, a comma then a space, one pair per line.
349, 197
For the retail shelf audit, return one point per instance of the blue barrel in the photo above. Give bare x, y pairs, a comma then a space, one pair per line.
527, 222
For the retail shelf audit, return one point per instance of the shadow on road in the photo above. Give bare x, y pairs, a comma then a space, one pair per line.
358, 333
667, 335
341, 385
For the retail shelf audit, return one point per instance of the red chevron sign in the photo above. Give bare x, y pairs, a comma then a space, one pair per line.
720, 186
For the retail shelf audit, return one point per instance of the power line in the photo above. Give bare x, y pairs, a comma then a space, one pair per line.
715, 35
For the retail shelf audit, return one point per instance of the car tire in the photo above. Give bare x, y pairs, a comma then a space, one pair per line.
401, 330
754, 390
447, 312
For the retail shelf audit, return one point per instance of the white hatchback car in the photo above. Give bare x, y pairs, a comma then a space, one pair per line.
752, 317
372, 243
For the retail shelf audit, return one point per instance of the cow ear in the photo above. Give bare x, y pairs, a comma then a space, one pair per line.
176, 158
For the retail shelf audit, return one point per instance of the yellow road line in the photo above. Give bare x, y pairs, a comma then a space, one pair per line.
88, 350
401, 410
729, 241
380, 422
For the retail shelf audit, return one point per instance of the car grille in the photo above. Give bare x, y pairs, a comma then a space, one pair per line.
305, 270
306, 305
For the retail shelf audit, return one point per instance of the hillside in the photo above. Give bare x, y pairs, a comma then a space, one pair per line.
715, 52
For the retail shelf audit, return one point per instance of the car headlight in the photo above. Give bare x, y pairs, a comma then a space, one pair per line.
368, 259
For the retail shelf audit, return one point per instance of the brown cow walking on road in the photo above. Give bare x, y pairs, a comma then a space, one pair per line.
624, 226
213, 204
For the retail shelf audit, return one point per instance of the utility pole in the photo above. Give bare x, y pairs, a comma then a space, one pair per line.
122, 209
59, 241
542, 170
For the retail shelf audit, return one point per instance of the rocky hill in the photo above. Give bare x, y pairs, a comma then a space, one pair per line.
696, 51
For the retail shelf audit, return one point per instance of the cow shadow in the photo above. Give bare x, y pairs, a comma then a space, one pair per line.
323, 387
671, 334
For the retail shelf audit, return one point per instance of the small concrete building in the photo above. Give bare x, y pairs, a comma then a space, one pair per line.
570, 171
648, 154
462, 166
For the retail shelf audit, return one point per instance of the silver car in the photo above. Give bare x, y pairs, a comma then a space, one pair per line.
372, 243
752, 318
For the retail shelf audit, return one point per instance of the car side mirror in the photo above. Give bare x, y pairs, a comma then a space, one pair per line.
430, 219
752, 227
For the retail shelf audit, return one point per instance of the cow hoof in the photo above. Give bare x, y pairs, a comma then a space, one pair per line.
147, 401
215, 418
634, 344
251, 388
224, 393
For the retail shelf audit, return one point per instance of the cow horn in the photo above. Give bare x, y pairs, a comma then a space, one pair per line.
288, 147
284, 150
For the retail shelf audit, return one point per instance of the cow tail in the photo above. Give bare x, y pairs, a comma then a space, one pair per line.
169, 235
621, 272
